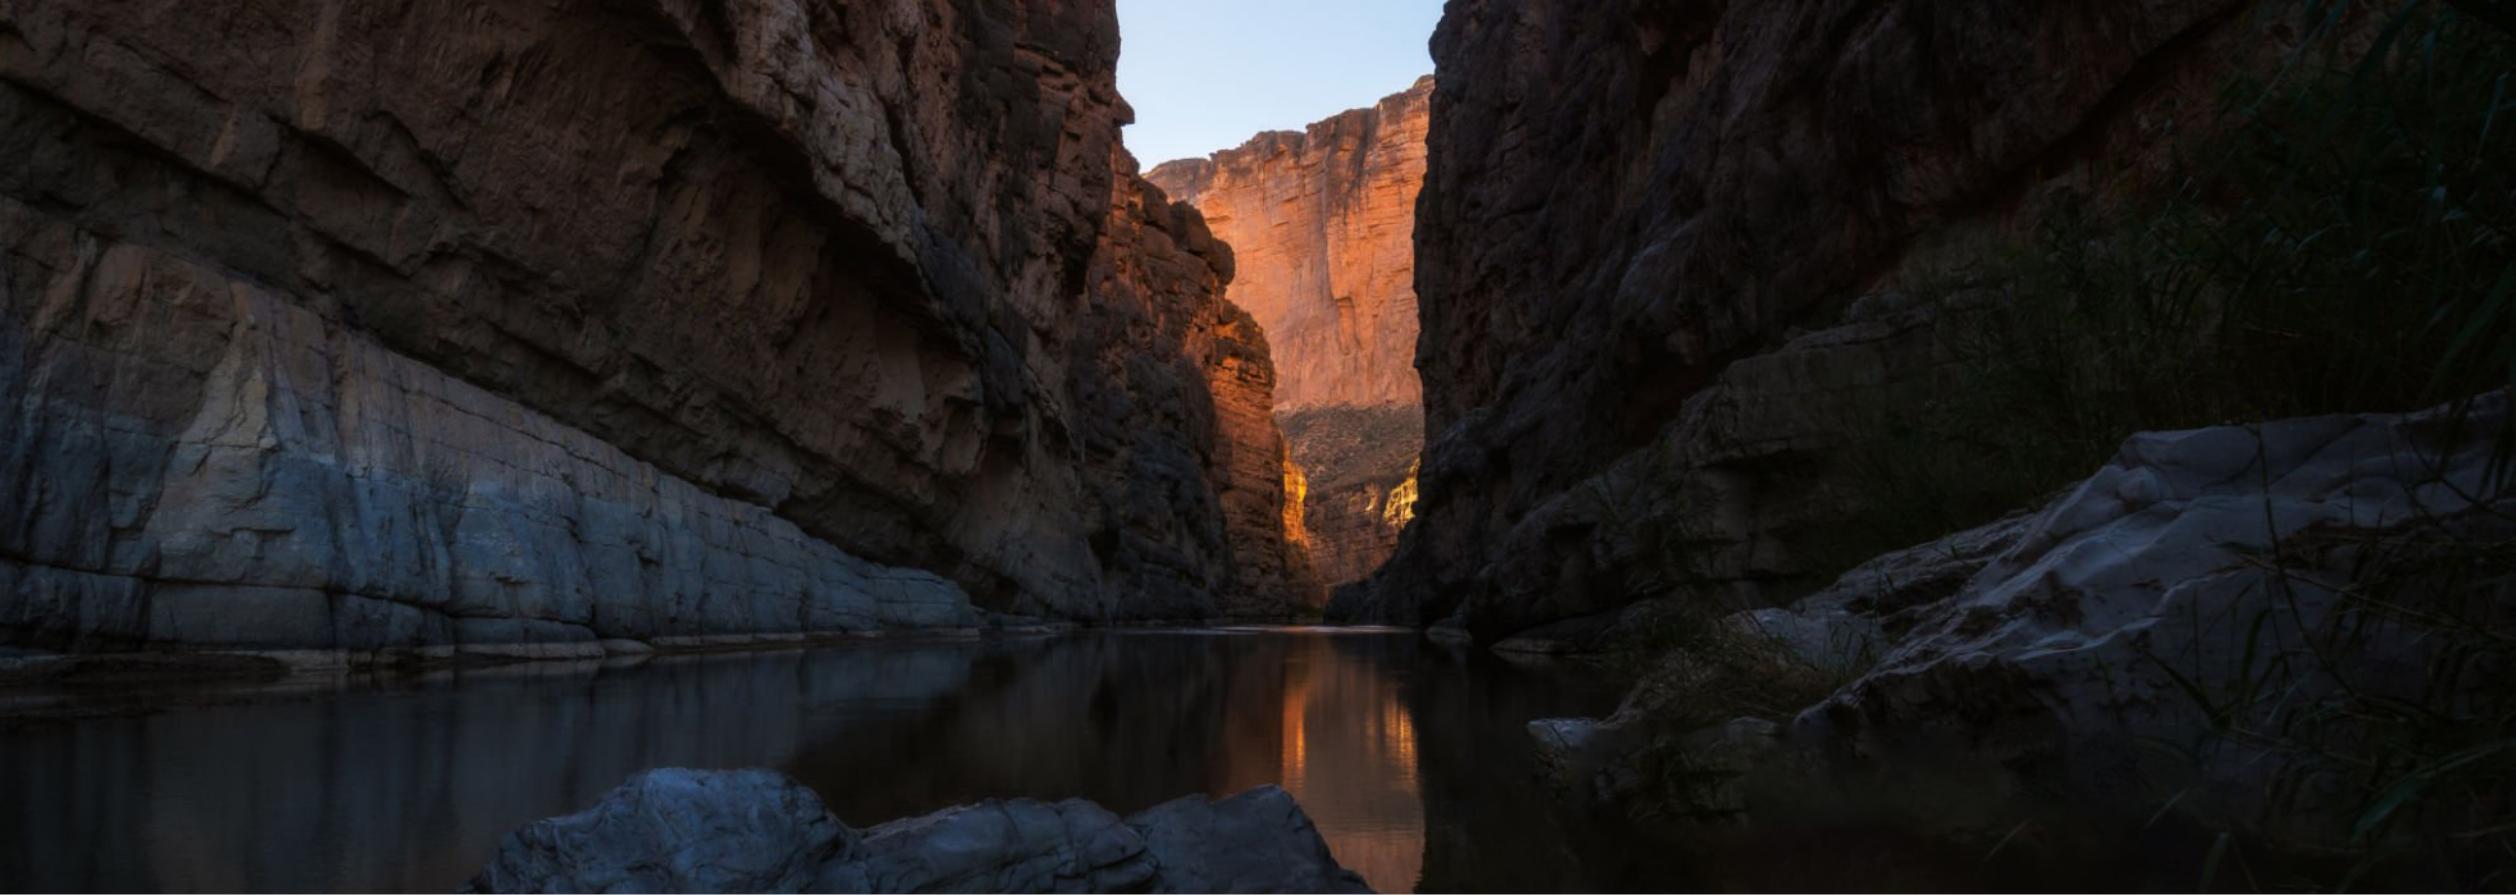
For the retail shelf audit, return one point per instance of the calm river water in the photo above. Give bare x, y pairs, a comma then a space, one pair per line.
1412, 758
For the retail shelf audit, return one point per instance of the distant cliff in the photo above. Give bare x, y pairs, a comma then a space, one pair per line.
364, 326
1322, 227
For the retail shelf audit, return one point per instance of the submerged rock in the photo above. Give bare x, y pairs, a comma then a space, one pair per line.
681, 830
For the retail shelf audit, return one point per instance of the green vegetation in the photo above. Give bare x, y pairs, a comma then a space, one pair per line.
2343, 239
2395, 709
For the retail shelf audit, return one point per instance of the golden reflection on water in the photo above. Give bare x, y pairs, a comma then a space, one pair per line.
1346, 751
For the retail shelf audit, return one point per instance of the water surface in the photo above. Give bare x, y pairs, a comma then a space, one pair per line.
1411, 758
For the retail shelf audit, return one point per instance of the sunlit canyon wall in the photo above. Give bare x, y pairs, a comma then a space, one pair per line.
464, 323
1322, 226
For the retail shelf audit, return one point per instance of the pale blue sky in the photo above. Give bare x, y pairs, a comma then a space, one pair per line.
1204, 75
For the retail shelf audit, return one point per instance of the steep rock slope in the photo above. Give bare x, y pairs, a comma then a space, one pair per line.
333, 324
1322, 226
1624, 198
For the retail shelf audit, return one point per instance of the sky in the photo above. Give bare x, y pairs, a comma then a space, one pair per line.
1204, 75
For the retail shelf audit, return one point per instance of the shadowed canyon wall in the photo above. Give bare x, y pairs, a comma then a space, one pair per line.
352, 325
1322, 226
1642, 232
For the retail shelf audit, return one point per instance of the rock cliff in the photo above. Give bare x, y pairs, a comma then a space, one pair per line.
1322, 224
1624, 200
1190, 492
327, 324
1322, 227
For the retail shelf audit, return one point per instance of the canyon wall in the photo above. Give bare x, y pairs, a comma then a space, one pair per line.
1189, 471
344, 325
1322, 227
1641, 236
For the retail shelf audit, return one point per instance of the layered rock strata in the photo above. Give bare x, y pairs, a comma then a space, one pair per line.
675, 830
1322, 227
339, 325
1322, 224
1625, 199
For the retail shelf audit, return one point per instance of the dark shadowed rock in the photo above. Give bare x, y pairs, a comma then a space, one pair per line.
459, 325
2275, 580
1019, 845
678, 830
1626, 202
1258, 841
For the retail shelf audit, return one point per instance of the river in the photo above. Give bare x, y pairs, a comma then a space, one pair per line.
1412, 758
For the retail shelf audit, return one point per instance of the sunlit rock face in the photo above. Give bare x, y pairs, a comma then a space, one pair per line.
1322, 227
360, 325
1625, 198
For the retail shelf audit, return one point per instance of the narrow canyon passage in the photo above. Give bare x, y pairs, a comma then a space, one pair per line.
1299, 445
1321, 223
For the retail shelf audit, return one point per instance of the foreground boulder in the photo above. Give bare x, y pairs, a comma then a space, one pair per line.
680, 830
2292, 631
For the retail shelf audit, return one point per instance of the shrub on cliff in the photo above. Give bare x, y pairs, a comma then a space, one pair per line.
2343, 240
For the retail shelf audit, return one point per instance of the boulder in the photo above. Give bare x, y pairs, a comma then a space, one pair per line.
1258, 841
680, 830
676, 830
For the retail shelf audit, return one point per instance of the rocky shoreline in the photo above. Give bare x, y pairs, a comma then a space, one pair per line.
2213, 625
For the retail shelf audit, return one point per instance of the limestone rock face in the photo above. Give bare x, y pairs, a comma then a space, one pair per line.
1624, 198
1322, 228
351, 325
1322, 224
678, 830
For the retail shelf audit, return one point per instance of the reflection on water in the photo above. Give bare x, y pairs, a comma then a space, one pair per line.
1412, 760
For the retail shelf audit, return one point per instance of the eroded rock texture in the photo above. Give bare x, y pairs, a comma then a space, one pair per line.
1624, 199
1357, 463
350, 325
1322, 227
